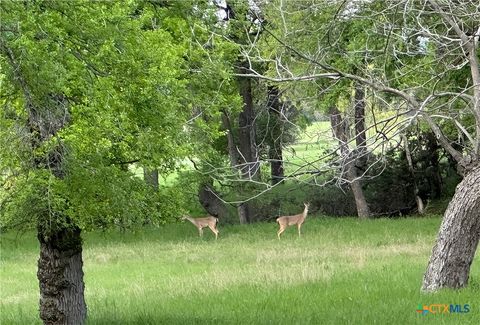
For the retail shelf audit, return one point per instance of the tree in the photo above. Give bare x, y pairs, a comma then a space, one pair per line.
349, 161
275, 155
422, 65
408, 155
234, 22
88, 89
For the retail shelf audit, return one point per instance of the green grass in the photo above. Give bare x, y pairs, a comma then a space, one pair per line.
341, 271
312, 144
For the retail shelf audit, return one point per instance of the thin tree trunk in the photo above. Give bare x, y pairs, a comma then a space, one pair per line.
418, 199
363, 211
340, 133
359, 103
360, 135
275, 153
457, 240
433, 170
60, 277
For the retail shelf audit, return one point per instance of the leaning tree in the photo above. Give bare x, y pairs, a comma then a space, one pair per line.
419, 61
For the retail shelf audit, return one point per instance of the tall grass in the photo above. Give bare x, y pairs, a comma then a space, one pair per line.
342, 271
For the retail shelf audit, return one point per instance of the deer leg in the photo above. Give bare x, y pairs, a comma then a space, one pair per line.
200, 232
299, 226
214, 230
280, 231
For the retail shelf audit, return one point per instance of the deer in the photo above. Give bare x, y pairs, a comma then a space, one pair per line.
200, 223
297, 219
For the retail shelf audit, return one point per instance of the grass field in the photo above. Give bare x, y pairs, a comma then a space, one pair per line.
311, 145
341, 271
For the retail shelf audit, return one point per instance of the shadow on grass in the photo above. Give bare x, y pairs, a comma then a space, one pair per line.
157, 319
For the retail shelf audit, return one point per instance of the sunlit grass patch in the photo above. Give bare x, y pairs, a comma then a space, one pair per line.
341, 271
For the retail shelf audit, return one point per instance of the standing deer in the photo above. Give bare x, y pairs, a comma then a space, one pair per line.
297, 219
200, 223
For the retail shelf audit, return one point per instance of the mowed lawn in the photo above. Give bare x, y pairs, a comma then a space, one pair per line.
342, 271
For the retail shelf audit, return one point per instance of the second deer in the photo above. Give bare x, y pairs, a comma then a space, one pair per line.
297, 219
200, 223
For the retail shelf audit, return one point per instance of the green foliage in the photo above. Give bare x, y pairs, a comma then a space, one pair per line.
388, 184
116, 198
380, 41
132, 73
281, 128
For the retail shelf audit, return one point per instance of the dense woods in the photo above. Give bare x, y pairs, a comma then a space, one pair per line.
130, 113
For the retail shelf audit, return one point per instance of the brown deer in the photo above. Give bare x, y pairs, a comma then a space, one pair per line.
200, 223
297, 219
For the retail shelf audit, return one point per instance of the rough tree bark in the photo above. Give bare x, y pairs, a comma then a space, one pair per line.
60, 276
60, 273
340, 133
275, 152
457, 240
60, 264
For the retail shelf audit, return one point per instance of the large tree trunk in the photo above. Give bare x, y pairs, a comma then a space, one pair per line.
275, 153
250, 167
60, 277
211, 202
276, 165
249, 164
454, 250
232, 147
234, 155
244, 213
60, 272
340, 133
